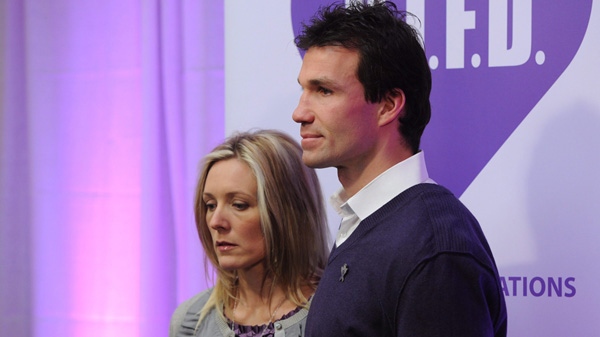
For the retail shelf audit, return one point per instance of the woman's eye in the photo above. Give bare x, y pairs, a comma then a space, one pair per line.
210, 206
240, 206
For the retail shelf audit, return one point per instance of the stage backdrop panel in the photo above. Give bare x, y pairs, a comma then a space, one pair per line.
515, 122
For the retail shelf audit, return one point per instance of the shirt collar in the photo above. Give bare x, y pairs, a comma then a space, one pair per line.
383, 188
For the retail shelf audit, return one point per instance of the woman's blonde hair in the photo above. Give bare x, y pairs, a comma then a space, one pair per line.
291, 209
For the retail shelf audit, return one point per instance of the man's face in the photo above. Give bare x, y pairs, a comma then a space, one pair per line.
338, 127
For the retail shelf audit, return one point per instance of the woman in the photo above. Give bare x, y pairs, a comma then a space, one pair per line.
261, 221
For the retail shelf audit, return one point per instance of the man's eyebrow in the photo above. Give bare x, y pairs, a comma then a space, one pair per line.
319, 81
315, 82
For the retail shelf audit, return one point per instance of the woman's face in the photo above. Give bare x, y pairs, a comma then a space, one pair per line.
232, 215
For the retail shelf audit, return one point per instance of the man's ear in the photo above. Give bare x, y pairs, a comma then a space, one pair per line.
392, 107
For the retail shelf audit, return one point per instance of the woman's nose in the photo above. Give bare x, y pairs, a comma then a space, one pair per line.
217, 219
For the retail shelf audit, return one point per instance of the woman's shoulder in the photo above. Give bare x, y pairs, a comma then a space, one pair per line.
196, 300
193, 304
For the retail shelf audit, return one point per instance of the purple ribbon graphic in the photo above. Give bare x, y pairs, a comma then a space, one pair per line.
489, 71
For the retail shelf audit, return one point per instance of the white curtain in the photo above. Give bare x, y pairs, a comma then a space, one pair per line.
106, 109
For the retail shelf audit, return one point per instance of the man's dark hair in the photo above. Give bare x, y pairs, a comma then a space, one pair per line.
391, 56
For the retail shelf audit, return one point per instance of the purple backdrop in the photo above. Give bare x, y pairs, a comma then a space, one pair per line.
106, 109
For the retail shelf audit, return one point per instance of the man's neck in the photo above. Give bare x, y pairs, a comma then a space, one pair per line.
354, 178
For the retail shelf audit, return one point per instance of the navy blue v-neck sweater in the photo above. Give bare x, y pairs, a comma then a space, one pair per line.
418, 266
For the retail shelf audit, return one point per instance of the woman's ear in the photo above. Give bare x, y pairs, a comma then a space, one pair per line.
392, 107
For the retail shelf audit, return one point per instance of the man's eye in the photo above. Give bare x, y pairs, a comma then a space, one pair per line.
324, 91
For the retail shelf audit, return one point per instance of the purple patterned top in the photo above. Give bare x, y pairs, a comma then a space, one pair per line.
258, 330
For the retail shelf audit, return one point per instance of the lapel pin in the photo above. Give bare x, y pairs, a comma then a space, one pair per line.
344, 271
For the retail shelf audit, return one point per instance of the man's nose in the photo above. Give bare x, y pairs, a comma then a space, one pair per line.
302, 112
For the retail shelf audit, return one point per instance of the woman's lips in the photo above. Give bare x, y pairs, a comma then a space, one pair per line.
224, 246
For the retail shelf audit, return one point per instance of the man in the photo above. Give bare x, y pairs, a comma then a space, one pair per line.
409, 258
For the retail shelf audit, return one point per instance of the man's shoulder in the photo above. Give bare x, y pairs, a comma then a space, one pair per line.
429, 190
434, 214
431, 198
421, 198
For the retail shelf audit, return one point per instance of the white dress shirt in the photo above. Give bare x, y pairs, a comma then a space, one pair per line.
395, 180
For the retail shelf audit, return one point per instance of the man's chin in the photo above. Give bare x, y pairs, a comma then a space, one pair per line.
313, 162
